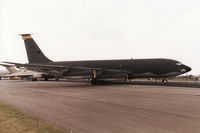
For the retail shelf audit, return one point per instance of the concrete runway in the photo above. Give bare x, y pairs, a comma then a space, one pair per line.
107, 108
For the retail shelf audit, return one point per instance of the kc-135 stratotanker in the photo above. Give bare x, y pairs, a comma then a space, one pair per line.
100, 70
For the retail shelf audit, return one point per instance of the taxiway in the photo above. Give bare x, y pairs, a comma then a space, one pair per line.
85, 108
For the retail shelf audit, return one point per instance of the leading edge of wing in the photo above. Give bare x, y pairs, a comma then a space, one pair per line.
41, 66
49, 66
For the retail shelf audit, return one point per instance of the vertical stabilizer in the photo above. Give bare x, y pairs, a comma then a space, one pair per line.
35, 55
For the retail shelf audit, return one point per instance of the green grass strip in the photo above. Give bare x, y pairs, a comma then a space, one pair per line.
15, 121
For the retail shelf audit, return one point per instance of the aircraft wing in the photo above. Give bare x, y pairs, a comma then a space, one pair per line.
45, 69
36, 65
74, 72
18, 75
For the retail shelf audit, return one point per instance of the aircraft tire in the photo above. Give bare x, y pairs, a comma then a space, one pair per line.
164, 81
34, 79
93, 82
46, 79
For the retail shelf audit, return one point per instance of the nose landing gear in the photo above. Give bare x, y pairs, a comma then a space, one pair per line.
164, 81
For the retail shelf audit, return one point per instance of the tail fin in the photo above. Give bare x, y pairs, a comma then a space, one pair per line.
35, 55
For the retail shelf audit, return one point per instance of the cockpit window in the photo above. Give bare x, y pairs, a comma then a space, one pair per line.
178, 63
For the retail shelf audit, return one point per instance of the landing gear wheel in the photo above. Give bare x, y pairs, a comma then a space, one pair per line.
34, 79
46, 79
164, 81
93, 82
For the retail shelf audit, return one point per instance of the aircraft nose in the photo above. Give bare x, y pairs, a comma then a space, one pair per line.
186, 68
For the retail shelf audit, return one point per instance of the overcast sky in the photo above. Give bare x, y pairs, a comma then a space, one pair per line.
103, 29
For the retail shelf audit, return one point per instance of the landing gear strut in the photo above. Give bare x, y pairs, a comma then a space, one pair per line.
127, 78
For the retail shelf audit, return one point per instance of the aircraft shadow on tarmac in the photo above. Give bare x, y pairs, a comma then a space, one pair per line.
150, 83
171, 84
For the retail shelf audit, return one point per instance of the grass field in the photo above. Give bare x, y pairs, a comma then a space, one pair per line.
15, 121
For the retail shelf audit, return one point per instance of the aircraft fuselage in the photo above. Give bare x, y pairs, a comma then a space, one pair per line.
138, 68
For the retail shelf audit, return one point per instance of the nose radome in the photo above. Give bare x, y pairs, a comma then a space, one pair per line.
187, 68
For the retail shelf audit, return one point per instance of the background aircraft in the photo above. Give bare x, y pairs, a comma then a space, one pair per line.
2, 73
12, 72
100, 70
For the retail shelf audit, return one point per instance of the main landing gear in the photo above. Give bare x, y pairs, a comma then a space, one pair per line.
94, 76
93, 82
46, 79
127, 78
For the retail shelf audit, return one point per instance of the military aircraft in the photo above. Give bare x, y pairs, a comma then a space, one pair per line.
98, 71
10, 69
2, 73
12, 72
